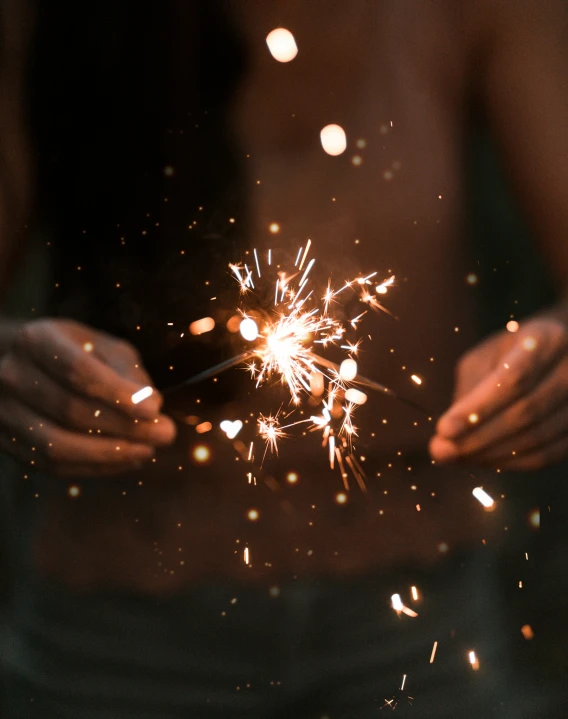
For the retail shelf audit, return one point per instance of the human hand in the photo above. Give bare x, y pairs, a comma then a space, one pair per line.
510, 409
66, 402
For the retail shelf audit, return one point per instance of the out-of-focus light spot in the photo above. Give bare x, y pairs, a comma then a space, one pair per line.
356, 160
201, 454
274, 591
97, 413
473, 418
534, 518
396, 603
74, 491
481, 495
512, 326
529, 343
231, 429
317, 385
204, 427
233, 323
341, 498
333, 139
142, 394
199, 327
248, 329
88, 347
348, 370
253, 515
361, 143
472, 279
415, 378
282, 45
527, 632
274, 228
473, 660
292, 477
168, 171
443, 547
355, 396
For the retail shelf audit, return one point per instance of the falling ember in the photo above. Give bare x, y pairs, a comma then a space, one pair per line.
482, 496
527, 632
403, 682
433, 655
396, 603
415, 378
333, 139
348, 370
246, 555
231, 429
355, 396
203, 427
142, 394
382, 289
473, 660
200, 327
282, 45
248, 329
414, 593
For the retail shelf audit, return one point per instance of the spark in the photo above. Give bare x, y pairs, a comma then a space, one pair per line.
269, 429
481, 495
142, 394
473, 660
432, 656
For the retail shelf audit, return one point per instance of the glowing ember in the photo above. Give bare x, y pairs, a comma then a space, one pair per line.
142, 394
348, 370
333, 139
199, 327
231, 429
88, 347
415, 378
473, 660
248, 329
482, 496
396, 603
282, 45
512, 326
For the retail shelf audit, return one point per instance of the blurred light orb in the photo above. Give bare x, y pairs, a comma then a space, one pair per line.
248, 329
274, 228
355, 396
282, 45
201, 454
199, 327
292, 477
253, 515
348, 370
512, 326
333, 139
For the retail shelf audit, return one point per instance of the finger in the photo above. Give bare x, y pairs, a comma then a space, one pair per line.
31, 385
518, 373
537, 437
546, 456
524, 415
58, 447
24, 454
79, 369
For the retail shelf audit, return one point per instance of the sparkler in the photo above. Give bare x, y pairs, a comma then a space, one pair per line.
285, 320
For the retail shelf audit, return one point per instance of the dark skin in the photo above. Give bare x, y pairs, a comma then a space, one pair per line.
514, 385
517, 394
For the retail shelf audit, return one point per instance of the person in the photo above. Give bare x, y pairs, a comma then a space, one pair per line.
144, 148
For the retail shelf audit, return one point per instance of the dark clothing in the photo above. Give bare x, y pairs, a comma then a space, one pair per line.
301, 649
